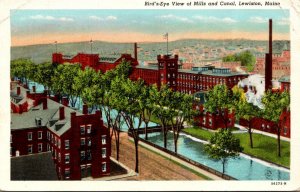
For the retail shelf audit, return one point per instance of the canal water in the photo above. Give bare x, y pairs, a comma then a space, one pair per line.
241, 168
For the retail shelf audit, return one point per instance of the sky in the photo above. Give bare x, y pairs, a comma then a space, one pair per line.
47, 26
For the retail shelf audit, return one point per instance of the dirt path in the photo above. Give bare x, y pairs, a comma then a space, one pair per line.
152, 166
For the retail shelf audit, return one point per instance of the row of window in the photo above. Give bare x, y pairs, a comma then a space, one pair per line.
85, 129
29, 135
30, 148
67, 171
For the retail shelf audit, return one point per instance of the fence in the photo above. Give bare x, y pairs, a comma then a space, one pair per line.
181, 157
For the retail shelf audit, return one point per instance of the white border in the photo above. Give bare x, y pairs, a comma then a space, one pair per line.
6, 184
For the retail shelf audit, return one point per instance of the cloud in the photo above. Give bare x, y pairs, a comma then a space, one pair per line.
178, 18
212, 19
283, 21
258, 19
50, 18
108, 18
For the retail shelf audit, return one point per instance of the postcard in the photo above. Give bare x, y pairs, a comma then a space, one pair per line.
149, 95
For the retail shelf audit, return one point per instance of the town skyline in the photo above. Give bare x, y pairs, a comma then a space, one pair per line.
29, 27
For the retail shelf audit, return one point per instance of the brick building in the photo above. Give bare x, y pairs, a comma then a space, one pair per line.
78, 141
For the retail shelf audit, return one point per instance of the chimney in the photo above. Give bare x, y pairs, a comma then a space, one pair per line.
135, 51
33, 89
65, 101
45, 104
61, 112
85, 109
18, 90
268, 61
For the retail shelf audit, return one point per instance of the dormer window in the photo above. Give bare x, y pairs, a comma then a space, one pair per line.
38, 121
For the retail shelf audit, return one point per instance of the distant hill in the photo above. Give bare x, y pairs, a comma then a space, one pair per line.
43, 53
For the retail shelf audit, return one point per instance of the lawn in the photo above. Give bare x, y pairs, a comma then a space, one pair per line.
264, 147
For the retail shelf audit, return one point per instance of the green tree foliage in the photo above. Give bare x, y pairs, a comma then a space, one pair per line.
163, 99
147, 102
245, 110
23, 68
181, 110
44, 74
246, 58
127, 95
223, 145
63, 80
219, 100
274, 106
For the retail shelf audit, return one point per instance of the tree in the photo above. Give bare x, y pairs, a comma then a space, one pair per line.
23, 68
246, 58
63, 80
163, 99
181, 109
245, 110
129, 106
44, 74
219, 100
223, 145
274, 106
147, 102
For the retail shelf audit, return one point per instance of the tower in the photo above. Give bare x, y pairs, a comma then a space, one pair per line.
168, 70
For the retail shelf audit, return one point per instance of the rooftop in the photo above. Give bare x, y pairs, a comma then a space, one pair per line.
285, 79
33, 167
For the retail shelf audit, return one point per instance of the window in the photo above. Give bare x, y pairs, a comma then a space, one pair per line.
82, 155
89, 142
29, 149
67, 144
10, 138
55, 156
55, 141
104, 167
88, 129
59, 143
103, 152
67, 173
59, 157
40, 135
82, 141
103, 139
52, 138
48, 147
40, 147
82, 130
285, 130
48, 135
67, 158
89, 155
29, 136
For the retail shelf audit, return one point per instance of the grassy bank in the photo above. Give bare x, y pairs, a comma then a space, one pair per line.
264, 147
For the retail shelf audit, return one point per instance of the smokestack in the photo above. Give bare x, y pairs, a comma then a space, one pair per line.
135, 51
61, 112
45, 104
18, 90
268, 61
65, 101
84, 109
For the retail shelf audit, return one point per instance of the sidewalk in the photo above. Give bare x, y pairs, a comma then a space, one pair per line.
243, 129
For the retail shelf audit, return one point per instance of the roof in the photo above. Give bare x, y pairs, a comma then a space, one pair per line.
33, 167
108, 59
210, 72
49, 118
18, 99
151, 67
285, 79
60, 126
